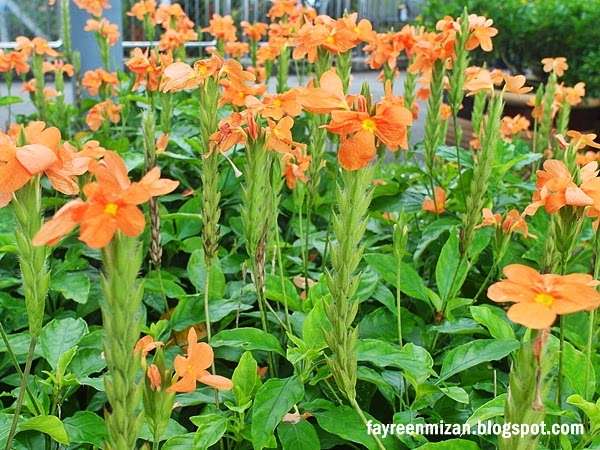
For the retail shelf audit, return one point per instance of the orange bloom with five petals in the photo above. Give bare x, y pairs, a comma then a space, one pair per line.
538, 299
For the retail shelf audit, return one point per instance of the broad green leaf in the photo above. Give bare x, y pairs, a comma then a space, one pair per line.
591, 410
72, 285
64, 360
383, 354
343, 421
432, 232
574, 362
245, 378
6, 100
451, 444
190, 310
473, 353
298, 436
498, 328
197, 272
247, 339
169, 287
489, 410
86, 427
411, 283
211, 427
60, 335
50, 425
273, 401
183, 442
274, 292
174, 428
86, 362
312, 328
451, 269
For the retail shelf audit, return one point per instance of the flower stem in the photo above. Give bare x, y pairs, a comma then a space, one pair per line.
356, 407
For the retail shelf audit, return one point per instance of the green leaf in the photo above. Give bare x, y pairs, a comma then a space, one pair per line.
183, 442
489, 410
412, 359
86, 427
591, 410
60, 335
247, 339
197, 273
169, 287
452, 444
472, 353
274, 292
411, 283
72, 285
343, 421
432, 233
211, 427
6, 100
50, 425
312, 328
245, 378
190, 310
451, 269
574, 362
498, 328
298, 436
273, 400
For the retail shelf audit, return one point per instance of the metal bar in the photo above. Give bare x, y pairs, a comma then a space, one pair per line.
25, 20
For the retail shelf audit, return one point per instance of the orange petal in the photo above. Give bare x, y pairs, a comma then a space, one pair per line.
35, 157
185, 384
576, 197
532, 315
130, 220
358, 151
215, 381
97, 231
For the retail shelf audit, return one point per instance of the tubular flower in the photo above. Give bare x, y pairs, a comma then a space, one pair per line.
179, 76
105, 29
538, 299
93, 80
329, 96
512, 222
512, 126
222, 27
94, 7
142, 9
148, 67
41, 154
388, 125
37, 45
111, 205
440, 200
102, 111
556, 65
16, 61
254, 31
578, 140
555, 187
193, 368
482, 33
296, 164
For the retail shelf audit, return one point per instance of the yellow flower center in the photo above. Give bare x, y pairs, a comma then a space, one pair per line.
369, 125
544, 299
357, 30
111, 209
277, 103
241, 94
202, 70
330, 40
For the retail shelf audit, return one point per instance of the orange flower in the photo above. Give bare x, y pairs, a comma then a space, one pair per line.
193, 368
556, 65
555, 187
154, 377
296, 164
516, 84
142, 8
94, 7
513, 222
222, 27
16, 61
329, 96
105, 29
254, 31
148, 67
37, 45
578, 140
41, 154
275, 106
102, 111
237, 49
93, 80
110, 205
58, 66
146, 345
389, 125
481, 33
440, 201
179, 76
538, 299
512, 126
